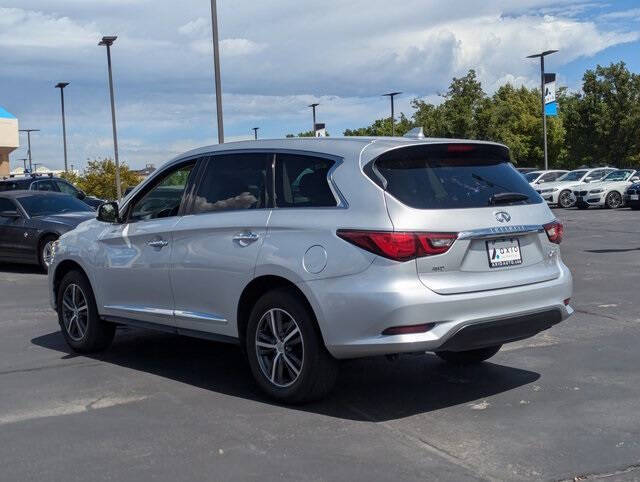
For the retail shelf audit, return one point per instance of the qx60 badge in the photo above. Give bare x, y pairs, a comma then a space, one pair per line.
502, 216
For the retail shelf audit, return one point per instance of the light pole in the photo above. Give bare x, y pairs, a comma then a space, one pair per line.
391, 95
544, 116
313, 107
255, 132
216, 70
24, 163
61, 86
29, 131
108, 42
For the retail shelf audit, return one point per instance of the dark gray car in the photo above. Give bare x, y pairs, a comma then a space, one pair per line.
31, 221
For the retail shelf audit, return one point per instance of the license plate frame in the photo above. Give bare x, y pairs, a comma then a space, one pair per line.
634, 197
510, 258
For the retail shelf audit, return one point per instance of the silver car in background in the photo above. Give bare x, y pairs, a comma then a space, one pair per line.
307, 251
559, 192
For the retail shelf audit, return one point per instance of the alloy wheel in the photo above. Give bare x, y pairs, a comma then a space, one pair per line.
279, 347
47, 253
75, 312
614, 200
565, 199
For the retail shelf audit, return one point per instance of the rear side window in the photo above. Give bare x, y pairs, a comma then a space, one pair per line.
449, 176
45, 186
233, 182
302, 181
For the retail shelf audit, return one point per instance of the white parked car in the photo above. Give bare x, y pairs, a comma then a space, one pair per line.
560, 192
607, 193
542, 177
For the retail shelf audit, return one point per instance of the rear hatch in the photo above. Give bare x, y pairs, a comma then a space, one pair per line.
470, 191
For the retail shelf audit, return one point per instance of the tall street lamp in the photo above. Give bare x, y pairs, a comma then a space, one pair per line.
313, 107
544, 116
24, 163
29, 131
108, 42
255, 132
61, 86
216, 70
391, 95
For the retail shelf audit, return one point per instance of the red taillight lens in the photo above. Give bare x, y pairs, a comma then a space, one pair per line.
399, 246
554, 230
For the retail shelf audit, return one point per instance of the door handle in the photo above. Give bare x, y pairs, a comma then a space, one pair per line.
157, 243
246, 238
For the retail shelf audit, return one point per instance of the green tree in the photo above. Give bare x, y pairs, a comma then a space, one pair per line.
603, 122
99, 178
382, 127
304, 134
458, 115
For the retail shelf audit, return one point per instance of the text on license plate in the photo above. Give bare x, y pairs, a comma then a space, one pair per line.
634, 197
504, 252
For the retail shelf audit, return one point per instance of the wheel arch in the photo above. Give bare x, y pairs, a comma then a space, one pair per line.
61, 270
258, 287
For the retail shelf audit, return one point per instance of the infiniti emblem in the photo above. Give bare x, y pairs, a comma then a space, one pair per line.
503, 216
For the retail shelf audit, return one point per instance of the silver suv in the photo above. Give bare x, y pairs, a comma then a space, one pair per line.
307, 251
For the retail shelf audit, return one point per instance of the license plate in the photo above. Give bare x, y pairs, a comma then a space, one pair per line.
504, 252
634, 197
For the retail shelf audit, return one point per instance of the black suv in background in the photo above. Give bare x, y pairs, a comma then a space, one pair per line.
36, 182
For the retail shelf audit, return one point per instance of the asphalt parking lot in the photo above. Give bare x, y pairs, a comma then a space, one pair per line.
561, 405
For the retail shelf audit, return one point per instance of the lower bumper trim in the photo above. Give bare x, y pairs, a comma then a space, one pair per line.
491, 333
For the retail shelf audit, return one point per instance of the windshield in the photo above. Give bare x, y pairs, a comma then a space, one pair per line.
453, 176
47, 205
621, 175
572, 176
532, 176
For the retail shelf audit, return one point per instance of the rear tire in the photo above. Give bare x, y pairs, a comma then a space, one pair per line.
564, 199
469, 357
613, 200
80, 323
44, 251
290, 364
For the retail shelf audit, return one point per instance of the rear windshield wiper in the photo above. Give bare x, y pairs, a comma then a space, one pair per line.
506, 198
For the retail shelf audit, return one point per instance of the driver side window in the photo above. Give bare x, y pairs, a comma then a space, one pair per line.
163, 200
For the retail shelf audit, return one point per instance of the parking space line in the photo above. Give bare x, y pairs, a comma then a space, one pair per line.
68, 408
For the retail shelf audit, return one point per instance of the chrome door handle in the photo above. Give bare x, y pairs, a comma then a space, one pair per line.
157, 243
246, 238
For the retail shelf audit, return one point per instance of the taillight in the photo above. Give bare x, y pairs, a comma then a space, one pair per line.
554, 231
399, 246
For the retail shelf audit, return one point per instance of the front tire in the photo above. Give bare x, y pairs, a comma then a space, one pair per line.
469, 357
565, 200
80, 323
613, 200
45, 252
286, 352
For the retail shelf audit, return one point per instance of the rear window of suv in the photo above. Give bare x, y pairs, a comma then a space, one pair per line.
449, 176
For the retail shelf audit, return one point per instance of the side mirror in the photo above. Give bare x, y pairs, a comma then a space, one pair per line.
81, 194
635, 179
541, 181
9, 214
108, 212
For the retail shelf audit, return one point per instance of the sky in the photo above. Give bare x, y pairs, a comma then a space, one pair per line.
277, 57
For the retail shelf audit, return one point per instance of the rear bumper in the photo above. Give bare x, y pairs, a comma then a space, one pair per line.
498, 332
354, 311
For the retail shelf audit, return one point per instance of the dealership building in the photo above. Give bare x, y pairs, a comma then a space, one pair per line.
8, 139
